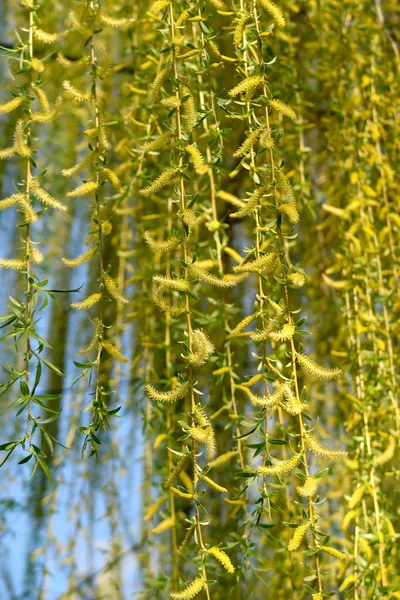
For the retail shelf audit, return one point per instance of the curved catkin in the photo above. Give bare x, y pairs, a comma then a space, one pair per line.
83, 190
189, 108
161, 246
222, 459
263, 264
87, 302
311, 367
387, 455
156, 87
11, 105
164, 525
180, 285
170, 396
274, 11
213, 484
82, 164
223, 558
198, 160
74, 93
46, 198
114, 352
286, 333
95, 341
161, 181
283, 108
12, 264
290, 209
227, 197
113, 179
191, 591
81, 259
177, 470
203, 275
20, 146
10, 201
317, 448
248, 143
309, 487
112, 288
240, 29
158, 143
347, 582
247, 87
297, 538
240, 327
165, 304
333, 552
187, 539
251, 205
280, 468
181, 494
153, 509
45, 36
202, 348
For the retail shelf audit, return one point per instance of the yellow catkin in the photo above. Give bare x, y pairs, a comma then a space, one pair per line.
202, 348
308, 489
180, 494
87, 302
177, 470
213, 484
251, 205
13, 264
45, 198
74, 93
95, 341
156, 87
286, 333
180, 285
158, 6
161, 246
317, 448
158, 143
78, 167
297, 280
284, 109
112, 288
36, 256
198, 161
203, 275
113, 22
83, 190
347, 582
246, 87
162, 180
333, 552
20, 146
266, 139
189, 109
260, 265
248, 143
187, 539
179, 392
253, 380
223, 558
274, 11
114, 352
11, 105
239, 30
29, 214
77, 24
280, 467
171, 103
387, 455
311, 367
222, 459
348, 518
244, 323
37, 65
71, 64
153, 509
227, 197
357, 496
45, 36
81, 259
297, 538
164, 525
10, 201
222, 371
219, 5
191, 591
290, 209
7, 153
113, 179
